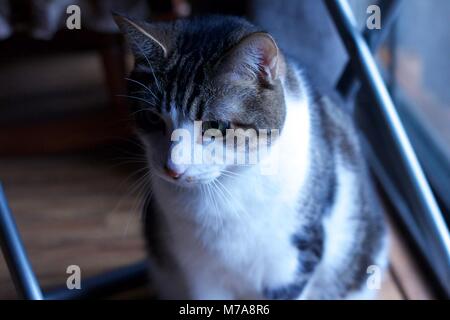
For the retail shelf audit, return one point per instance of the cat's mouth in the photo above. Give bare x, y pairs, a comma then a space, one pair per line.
187, 180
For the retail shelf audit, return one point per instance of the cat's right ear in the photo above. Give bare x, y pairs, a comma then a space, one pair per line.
149, 42
254, 57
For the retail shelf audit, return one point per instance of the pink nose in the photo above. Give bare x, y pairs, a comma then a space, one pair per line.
171, 173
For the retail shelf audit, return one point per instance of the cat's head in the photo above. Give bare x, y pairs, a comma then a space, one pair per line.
221, 71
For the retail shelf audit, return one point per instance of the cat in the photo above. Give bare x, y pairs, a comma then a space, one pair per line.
312, 229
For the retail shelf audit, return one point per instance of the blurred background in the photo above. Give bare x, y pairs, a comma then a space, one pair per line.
72, 168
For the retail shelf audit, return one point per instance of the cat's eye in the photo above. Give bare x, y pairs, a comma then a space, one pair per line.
222, 126
149, 121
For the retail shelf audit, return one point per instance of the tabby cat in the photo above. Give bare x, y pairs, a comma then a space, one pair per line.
311, 229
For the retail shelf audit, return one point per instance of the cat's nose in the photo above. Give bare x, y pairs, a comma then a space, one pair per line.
172, 173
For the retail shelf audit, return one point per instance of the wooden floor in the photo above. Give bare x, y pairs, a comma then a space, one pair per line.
82, 210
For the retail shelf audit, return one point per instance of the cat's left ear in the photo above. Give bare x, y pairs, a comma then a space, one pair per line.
148, 41
254, 57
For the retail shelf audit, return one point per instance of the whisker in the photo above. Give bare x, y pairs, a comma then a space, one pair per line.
130, 140
142, 85
234, 201
229, 201
131, 188
232, 173
143, 185
217, 214
136, 98
137, 111
149, 64
229, 176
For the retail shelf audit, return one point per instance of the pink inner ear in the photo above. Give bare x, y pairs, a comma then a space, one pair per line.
254, 57
263, 53
269, 63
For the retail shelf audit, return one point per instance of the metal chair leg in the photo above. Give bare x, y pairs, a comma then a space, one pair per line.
16, 258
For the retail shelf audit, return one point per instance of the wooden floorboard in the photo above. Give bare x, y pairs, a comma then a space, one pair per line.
406, 272
390, 289
79, 210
